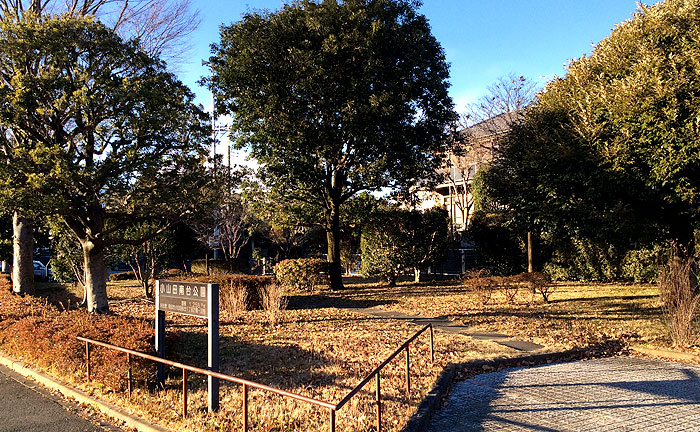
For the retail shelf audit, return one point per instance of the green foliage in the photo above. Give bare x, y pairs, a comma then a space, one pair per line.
302, 274
498, 247
99, 130
333, 98
643, 265
584, 261
122, 276
399, 240
609, 155
66, 258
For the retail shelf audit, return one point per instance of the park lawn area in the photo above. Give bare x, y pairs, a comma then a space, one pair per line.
578, 314
316, 349
322, 348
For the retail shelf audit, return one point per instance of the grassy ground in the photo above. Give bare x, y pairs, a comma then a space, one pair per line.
318, 349
322, 350
578, 314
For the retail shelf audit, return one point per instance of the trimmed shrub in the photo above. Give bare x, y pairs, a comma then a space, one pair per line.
122, 276
216, 267
302, 274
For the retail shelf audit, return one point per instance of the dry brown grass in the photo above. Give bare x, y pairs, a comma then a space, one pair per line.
577, 315
321, 350
317, 351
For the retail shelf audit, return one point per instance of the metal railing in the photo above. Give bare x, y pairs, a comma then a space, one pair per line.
332, 408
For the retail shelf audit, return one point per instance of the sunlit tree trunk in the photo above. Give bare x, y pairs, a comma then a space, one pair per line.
22, 254
530, 259
95, 277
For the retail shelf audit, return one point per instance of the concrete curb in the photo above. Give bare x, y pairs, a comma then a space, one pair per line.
80, 396
431, 403
666, 353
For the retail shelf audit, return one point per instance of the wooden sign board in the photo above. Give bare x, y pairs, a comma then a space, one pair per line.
187, 298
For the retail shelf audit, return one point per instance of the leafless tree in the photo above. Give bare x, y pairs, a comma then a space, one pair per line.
503, 104
477, 141
234, 224
161, 26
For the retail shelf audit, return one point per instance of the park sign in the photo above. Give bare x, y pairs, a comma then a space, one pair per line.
187, 298
195, 299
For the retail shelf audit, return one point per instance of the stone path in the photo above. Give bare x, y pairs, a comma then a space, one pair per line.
448, 326
611, 394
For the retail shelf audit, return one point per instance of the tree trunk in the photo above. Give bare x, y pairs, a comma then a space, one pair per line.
95, 277
22, 254
416, 275
333, 237
530, 260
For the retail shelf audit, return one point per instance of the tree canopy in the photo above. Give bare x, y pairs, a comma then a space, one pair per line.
333, 98
99, 130
611, 151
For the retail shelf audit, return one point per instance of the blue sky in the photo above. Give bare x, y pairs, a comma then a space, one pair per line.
483, 40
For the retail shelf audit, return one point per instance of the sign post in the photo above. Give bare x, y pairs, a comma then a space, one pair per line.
213, 351
194, 299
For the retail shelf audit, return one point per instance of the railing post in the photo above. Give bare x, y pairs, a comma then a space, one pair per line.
245, 408
184, 393
408, 373
128, 373
378, 395
432, 346
332, 415
87, 358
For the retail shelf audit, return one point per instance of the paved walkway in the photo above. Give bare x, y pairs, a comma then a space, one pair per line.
611, 394
448, 326
27, 407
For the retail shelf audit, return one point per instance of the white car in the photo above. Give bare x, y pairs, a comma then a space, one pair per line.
41, 272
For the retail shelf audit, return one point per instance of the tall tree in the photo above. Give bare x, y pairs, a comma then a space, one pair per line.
610, 152
161, 28
333, 98
109, 138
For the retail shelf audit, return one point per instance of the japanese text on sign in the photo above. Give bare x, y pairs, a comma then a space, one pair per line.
188, 298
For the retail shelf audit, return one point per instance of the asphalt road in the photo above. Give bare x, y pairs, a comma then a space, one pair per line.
27, 407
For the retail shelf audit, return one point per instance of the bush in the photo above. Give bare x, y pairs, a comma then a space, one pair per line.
499, 248
509, 288
302, 274
482, 285
643, 265
122, 276
538, 283
397, 241
680, 296
216, 267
